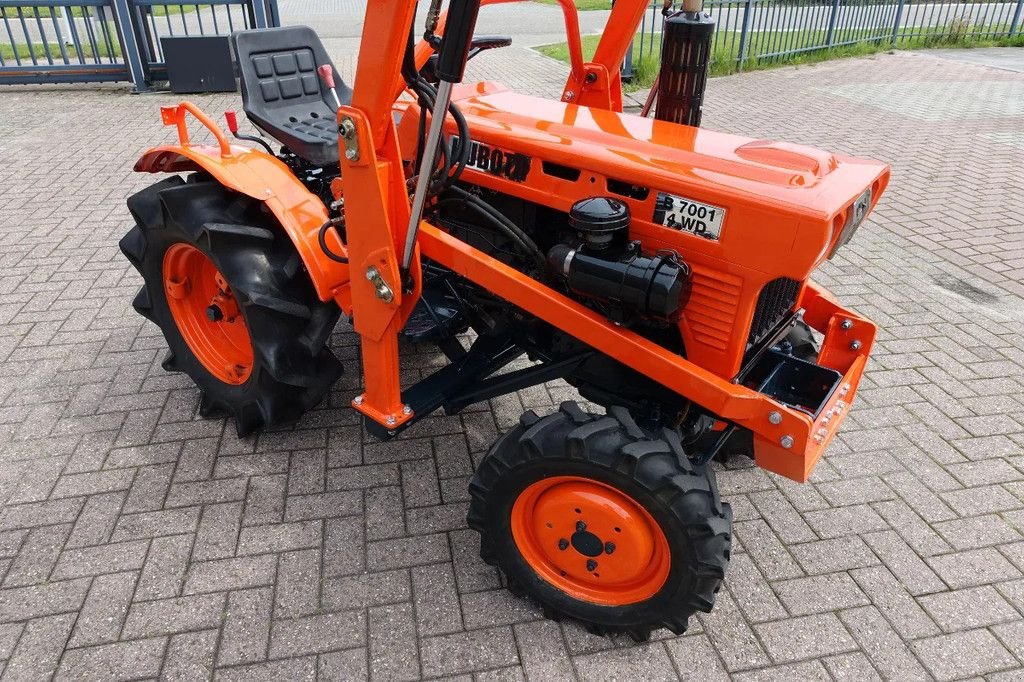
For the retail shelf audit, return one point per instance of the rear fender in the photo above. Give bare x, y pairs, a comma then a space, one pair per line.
265, 178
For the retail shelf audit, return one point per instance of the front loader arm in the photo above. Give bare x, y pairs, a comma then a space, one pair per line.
787, 440
595, 83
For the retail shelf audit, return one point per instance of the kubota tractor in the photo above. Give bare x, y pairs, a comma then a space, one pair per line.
663, 270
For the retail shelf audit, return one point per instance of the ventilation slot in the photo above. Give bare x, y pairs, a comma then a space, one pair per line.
624, 189
558, 171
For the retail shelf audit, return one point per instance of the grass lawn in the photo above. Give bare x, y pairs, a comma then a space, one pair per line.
40, 52
583, 5
46, 12
725, 50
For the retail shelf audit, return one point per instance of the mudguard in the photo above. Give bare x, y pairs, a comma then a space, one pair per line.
262, 177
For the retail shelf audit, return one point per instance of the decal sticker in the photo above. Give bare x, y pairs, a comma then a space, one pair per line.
511, 165
687, 215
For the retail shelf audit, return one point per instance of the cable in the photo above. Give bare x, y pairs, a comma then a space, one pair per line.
322, 238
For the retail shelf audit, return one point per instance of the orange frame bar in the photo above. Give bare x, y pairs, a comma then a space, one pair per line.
787, 441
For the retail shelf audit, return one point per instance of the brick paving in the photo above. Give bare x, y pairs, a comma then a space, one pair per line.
137, 540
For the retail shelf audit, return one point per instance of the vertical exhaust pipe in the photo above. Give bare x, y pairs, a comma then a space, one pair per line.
685, 55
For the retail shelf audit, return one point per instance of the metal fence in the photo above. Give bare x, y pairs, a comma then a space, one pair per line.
750, 32
43, 41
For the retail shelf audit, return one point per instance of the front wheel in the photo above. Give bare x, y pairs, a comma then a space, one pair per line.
602, 521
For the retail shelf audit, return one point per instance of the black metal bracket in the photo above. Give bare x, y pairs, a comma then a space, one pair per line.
514, 381
707, 454
469, 379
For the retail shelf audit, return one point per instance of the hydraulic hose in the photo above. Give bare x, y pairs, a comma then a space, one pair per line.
526, 244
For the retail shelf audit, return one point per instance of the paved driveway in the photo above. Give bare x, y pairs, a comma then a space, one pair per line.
1009, 58
137, 540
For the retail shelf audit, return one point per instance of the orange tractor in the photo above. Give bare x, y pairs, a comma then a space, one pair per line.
661, 269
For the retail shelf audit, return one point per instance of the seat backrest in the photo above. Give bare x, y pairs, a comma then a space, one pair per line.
282, 92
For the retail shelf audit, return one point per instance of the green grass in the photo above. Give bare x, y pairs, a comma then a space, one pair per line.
724, 59
583, 5
40, 52
46, 12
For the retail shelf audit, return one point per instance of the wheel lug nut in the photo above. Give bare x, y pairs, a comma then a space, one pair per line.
580, 526
609, 547
591, 564
214, 313
563, 544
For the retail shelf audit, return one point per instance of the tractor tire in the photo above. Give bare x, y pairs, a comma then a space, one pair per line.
599, 520
228, 290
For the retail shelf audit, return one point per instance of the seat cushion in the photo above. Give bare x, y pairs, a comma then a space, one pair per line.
283, 94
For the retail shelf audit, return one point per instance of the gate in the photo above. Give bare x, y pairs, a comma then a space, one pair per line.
48, 41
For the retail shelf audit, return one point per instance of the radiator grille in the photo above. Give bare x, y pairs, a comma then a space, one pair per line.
775, 301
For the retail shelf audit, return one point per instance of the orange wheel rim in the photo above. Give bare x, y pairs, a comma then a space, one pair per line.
207, 314
590, 540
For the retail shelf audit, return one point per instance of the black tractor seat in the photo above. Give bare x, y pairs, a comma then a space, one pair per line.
282, 93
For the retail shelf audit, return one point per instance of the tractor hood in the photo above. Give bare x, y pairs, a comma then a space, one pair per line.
773, 197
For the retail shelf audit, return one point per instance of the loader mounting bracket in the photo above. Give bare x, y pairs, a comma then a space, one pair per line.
470, 378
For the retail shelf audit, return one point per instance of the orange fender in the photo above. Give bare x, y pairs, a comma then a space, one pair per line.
263, 177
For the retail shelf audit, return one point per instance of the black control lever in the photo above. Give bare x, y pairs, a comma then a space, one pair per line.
478, 45
481, 43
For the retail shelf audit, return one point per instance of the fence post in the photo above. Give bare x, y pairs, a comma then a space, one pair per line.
830, 41
626, 70
132, 57
899, 19
748, 9
274, 15
1015, 22
259, 13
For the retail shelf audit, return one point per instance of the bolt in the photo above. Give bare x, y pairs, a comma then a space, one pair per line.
351, 154
855, 345
406, 409
563, 544
358, 400
591, 77
774, 417
847, 324
569, 96
786, 441
214, 313
580, 526
591, 564
609, 547
372, 273
390, 420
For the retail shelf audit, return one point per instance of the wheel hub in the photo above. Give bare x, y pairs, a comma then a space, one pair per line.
590, 540
207, 314
586, 543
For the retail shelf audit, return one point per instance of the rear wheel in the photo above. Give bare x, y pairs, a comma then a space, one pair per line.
228, 290
599, 520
